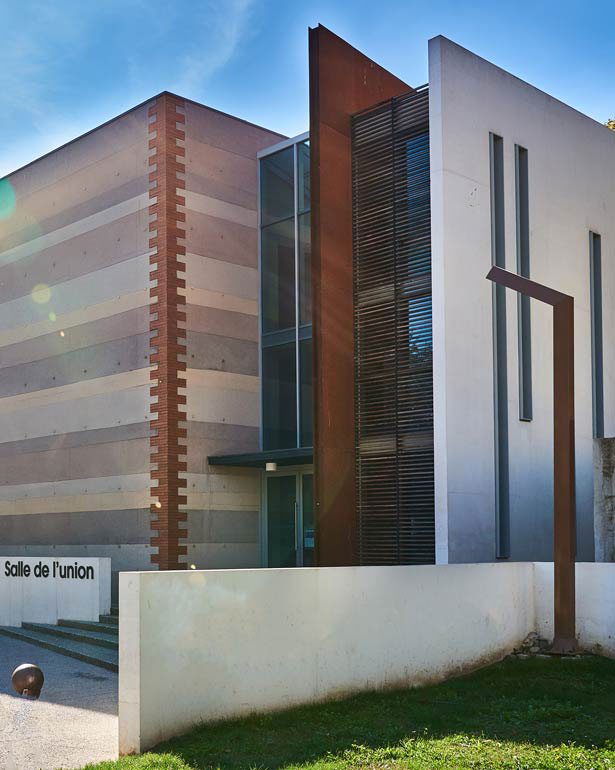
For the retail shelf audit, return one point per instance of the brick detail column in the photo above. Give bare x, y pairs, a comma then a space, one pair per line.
167, 312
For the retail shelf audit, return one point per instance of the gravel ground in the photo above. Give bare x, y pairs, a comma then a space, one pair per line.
73, 723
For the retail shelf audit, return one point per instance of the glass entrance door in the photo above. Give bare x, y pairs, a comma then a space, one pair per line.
307, 518
281, 516
289, 519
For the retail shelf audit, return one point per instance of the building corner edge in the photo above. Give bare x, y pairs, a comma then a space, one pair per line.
436, 161
167, 312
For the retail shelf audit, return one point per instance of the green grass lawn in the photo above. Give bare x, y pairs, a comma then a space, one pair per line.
532, 714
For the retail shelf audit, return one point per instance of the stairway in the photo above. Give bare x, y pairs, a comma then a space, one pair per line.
90, 642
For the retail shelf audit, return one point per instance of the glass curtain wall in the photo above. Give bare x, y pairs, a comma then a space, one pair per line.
286, 302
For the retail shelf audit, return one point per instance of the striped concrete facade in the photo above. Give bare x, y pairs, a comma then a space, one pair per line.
75, 367
222, 335
74, 351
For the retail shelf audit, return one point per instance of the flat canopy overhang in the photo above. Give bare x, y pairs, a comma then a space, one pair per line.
282, 457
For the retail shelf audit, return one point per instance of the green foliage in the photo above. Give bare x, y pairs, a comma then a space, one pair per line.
144, 762
534, 714
611, 124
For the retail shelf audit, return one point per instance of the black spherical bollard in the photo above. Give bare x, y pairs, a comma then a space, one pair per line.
28, 680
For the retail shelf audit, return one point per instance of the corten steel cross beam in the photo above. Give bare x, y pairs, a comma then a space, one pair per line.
564, 502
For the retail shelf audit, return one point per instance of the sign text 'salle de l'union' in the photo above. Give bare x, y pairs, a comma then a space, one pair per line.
40, 570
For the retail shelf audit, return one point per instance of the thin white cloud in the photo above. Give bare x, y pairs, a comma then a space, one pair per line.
47, 47
43, 45
223, 27
37, 38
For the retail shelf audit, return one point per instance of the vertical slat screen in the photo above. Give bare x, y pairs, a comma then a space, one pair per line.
393, 332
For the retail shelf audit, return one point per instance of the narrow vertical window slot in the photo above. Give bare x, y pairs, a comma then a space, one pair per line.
500, 390
523, 268
595, 268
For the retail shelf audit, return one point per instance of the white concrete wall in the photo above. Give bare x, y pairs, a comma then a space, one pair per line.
203, 645
44, 599
604, 499
595, 605
571, 191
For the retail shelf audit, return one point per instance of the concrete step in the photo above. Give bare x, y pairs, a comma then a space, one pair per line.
100, 656
110, 629
88, 636
109, 619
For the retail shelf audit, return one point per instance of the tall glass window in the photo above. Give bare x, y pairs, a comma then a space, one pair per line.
278, 277
500, 392
286, 295
595, 282
523, 268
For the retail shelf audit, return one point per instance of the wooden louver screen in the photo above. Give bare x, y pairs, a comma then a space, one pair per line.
393, 332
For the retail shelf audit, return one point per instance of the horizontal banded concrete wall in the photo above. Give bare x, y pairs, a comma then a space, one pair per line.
74, 351
204, 645
223, 387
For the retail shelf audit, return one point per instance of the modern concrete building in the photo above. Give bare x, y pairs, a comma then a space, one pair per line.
95, 303
226, 348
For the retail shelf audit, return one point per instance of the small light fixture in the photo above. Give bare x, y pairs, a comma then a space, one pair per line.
62, 333
158, 504
271, 467
193, 566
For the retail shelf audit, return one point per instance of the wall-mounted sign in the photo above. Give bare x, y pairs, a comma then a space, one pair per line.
76, 571
44, 590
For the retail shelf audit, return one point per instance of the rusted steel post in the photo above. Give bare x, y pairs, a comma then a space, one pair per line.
564, 526
564, 496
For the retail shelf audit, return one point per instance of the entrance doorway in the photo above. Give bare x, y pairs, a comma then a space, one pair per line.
288, 519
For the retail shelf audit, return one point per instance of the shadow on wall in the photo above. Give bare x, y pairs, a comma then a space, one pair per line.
539, 703
283, 637
531, 511
68, 682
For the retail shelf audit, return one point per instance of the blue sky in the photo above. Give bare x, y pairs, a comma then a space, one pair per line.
69, 65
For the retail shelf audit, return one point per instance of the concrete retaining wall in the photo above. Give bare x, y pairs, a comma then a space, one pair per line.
604, 499
203, 645
595, 600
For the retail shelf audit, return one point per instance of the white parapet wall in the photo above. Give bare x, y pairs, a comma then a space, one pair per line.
604, 499
199, 646
595, 605
44, 590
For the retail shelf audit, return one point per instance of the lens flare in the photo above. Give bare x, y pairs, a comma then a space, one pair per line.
41, 294
7, 199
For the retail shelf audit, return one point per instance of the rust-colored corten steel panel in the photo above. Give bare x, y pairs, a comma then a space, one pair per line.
564, 493
342, 82
167, 312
